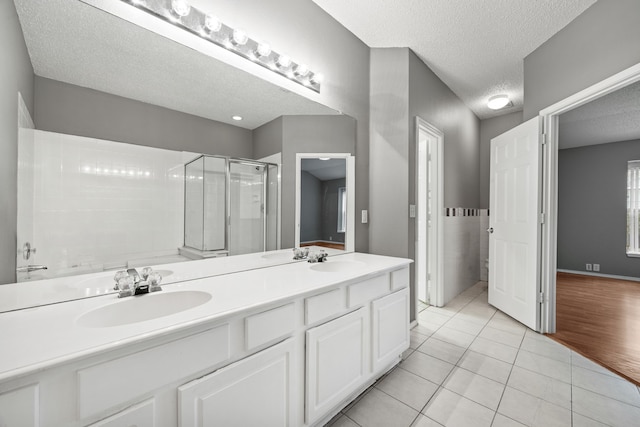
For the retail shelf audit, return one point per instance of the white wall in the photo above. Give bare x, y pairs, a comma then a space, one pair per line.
98, 204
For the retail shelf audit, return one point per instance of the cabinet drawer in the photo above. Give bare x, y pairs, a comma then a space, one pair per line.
123, 380
20, 407
269, 325
323, 306
141, 415
363, 292
400, 279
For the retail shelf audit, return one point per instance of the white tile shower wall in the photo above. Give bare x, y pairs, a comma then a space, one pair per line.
461, 252
99, 204
484, 244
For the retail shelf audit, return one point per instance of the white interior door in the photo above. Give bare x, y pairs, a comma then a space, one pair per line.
514, 240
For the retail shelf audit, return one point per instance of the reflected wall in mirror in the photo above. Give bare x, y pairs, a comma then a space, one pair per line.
324, 208
164, 104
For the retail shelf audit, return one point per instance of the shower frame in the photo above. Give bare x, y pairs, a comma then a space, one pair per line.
266, 193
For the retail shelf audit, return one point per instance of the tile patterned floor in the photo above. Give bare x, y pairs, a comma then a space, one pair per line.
470, 365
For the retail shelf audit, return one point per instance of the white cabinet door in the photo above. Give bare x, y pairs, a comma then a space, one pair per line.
256, 391
390, 328
20, 407
514, 239
336, 357
141, 415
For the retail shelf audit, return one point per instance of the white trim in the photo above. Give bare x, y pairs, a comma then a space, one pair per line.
351, 195
550, 117
608, 276
435, 261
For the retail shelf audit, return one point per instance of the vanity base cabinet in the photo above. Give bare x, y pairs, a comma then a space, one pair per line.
256, 391
336, 362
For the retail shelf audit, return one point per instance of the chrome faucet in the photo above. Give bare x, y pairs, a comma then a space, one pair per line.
318, 256
300, 253
129, 282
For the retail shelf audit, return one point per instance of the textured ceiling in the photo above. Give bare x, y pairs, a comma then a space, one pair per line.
73, 42
612, 118
325, 170
476, 47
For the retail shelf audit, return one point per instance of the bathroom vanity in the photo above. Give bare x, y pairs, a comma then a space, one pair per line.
285, 345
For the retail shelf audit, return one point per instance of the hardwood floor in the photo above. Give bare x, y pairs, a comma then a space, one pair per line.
600, 318
334, 245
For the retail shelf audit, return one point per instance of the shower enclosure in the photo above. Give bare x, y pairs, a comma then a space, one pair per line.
230, 207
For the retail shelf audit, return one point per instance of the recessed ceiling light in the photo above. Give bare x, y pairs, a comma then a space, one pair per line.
237, 118
498, 101
325, 158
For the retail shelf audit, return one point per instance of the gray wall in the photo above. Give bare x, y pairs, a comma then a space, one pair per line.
310, 208
267, 139
490, 128
403, 87
17, 76
592, 206
312, 134
602, 41
330, 210
389, 153
74, 110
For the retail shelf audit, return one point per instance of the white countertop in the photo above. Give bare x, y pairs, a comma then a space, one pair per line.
41, 337
17, 296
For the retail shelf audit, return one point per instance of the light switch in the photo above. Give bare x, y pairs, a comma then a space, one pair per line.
365, 216
412, 211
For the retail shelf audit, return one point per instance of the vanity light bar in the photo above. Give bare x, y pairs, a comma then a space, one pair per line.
210, 28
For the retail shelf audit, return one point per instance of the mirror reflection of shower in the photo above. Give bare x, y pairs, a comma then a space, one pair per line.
323, 202
231, 207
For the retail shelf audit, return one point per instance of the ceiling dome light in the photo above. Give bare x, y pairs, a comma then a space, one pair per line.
302, 70
239, 37
284, 61
263, 49
498, 101
237, 118
212, 23
180, 7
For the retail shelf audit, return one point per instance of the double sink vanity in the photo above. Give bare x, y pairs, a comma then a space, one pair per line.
252, 340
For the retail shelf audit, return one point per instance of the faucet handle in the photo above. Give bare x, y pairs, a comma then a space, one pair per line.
145, 272
119, 275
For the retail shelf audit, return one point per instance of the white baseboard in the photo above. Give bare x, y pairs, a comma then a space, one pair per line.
591, 273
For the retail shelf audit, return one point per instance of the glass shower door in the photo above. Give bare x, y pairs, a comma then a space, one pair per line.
247, 195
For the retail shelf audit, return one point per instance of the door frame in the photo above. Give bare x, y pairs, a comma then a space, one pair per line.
436, 238
349, 238
550, 126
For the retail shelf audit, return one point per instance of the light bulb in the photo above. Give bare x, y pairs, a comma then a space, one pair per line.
212, 23
284, 61
497, 102
239, 37
302, 70
317, 78
263, 49
180, 7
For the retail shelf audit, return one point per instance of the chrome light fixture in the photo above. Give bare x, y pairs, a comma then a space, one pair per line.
210, 28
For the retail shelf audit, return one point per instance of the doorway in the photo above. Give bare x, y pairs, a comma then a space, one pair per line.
551, 124
428, 213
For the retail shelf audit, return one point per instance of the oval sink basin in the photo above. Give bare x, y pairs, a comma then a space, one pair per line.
142, 307
338, 266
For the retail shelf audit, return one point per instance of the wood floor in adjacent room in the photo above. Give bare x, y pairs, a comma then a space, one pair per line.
600, 318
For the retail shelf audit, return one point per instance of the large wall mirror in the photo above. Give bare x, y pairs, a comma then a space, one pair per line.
82, 52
